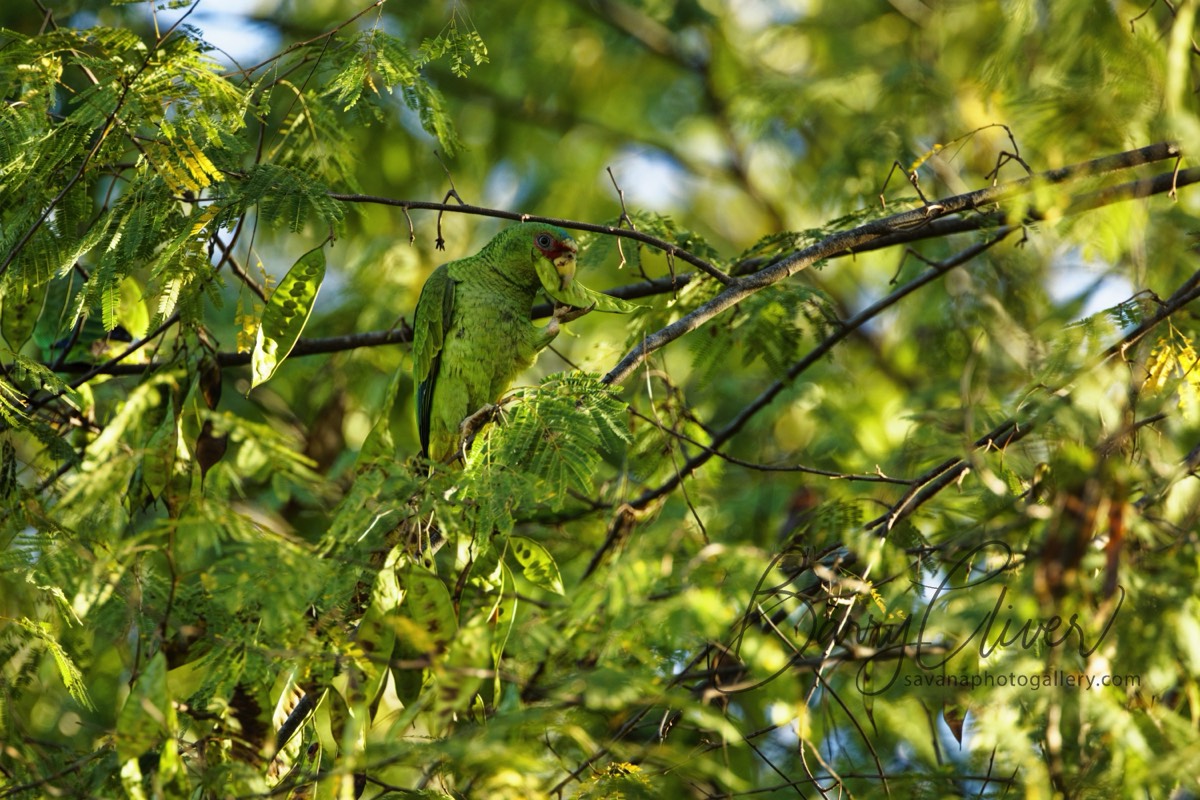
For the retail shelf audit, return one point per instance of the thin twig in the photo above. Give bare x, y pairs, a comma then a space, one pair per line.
624, 219
329, 34
440, 242
482, 211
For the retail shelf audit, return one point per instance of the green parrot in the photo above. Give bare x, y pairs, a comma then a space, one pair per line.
473, 332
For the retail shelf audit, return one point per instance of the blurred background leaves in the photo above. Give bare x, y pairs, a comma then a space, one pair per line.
186, 562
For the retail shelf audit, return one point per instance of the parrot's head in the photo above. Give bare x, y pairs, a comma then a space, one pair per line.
557, 247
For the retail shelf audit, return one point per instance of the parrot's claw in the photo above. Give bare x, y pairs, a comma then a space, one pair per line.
565, 313
472, 425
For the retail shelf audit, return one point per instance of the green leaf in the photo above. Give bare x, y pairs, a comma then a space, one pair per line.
70, 674
286, 314
132, 313
148, 716
504, 617
380, 442
158, 464
285, 194
428, 603
576, 294
537, 565
458, 674
19, 310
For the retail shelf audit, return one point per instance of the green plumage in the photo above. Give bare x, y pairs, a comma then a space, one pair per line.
472, 330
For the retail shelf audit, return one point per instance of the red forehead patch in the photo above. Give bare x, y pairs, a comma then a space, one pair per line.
551, 246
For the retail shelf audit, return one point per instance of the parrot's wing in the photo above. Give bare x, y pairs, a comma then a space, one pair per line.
575, 293
431, 321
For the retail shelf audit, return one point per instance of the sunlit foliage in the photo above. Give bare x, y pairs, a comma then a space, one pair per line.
887, 487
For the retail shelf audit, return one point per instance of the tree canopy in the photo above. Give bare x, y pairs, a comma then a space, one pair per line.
887, 487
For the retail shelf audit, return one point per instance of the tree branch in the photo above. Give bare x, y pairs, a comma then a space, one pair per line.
1012, 430
304, 347
670, 249
915, 224
812, 357
906, 227
1008, 432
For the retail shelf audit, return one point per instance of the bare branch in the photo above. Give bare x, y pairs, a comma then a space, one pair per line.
482, 211
304, 347
624, 218
440, 242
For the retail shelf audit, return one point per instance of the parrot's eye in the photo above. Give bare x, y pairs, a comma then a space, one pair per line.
544, 240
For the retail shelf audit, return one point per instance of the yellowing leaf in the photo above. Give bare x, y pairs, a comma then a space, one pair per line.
247, 325
1159, 366
200, 166
182, 165
206, 216
1174, 357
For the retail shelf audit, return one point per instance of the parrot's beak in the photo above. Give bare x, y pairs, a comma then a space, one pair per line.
564, 264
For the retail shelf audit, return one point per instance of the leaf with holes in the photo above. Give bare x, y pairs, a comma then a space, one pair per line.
537, 565
286, 314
